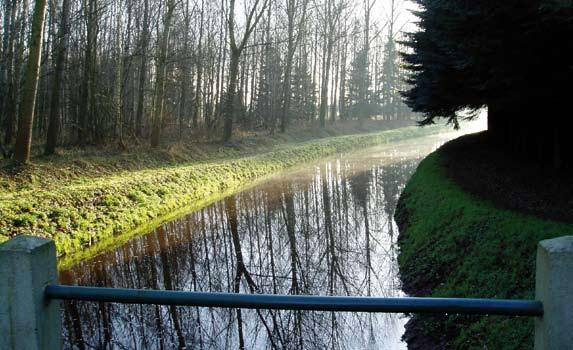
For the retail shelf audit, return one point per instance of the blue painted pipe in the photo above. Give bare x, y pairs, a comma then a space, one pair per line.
299, 302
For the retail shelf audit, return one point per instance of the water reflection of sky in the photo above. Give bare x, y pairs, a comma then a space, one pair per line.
326, 228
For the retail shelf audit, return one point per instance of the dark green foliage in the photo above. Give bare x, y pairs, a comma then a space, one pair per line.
361, 106
446, 77
507, 55
269, 93
389, 94
303, 104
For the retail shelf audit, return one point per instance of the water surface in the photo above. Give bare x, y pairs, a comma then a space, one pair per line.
325, 228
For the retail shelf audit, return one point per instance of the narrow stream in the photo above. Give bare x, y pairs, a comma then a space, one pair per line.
325, 228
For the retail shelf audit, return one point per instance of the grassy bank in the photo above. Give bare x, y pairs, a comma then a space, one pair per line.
453, 244
105, 199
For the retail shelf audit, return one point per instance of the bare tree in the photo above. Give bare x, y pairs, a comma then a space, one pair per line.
329, 17
143, 42
199, 68
161, 67
114, 73
30, 86
254, 15
294, 9
55, 114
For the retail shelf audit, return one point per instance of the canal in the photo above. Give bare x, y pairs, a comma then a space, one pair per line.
324, 228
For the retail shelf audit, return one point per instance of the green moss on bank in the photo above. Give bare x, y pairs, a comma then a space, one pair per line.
453, 244
90, 208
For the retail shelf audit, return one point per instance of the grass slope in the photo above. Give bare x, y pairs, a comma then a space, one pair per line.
453, 244
78, 208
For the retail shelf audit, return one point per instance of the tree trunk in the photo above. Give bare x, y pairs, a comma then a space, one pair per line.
334, 87
198, 92
27, 103
142, 71
231, 93
161, 74
186, 75
314, 47
293, 42
7, 38
7, 104
86, 98
54, 119
342, 89
324, 84
252, 18
118, 77
285, 114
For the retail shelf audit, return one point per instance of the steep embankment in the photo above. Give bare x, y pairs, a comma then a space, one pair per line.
454, 244
80, 210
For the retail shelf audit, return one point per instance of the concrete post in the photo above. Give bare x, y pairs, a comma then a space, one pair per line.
554, 288
27, 320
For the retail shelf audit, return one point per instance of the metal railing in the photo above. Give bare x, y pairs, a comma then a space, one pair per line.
299, 302
30, 311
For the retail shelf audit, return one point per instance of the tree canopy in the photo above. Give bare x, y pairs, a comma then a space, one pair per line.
509, 56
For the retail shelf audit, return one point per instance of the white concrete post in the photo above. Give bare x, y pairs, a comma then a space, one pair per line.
554, 288
27, 320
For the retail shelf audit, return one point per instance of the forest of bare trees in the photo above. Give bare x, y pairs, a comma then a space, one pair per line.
107, 71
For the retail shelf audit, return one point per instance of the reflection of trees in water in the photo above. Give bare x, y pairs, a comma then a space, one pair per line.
331, 234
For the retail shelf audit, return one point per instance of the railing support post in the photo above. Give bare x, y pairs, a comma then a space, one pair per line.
28, 321
554, 288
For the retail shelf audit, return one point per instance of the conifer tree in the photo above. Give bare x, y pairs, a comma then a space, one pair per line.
360, 107
506, 55
303, 92
390, 97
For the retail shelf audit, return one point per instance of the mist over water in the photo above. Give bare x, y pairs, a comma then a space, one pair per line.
325, 228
